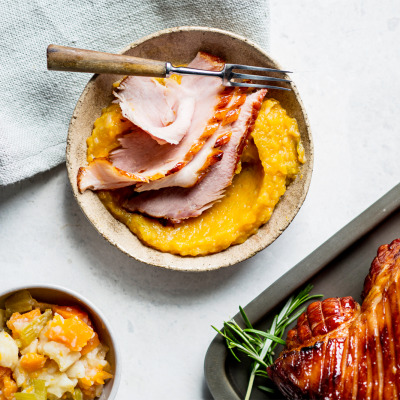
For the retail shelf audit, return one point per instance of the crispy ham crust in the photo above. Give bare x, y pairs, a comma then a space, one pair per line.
342, 351
176, 203
146, 160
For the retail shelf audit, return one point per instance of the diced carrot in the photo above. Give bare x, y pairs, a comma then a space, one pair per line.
32, 362
7, 385
72, 332
9, 388
18, 321
88, 384
88, 391
91, 344
72, 311
4, 371
85, 383
101, 376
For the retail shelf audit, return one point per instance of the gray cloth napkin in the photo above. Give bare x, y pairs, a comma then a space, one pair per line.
36, 104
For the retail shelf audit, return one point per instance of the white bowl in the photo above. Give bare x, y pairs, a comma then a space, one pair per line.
62, 296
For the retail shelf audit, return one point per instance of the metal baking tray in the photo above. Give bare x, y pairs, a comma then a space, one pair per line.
336, 268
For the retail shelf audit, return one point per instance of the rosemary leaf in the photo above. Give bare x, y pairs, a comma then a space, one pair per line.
276, 339
245, 319
259, 345
266, 389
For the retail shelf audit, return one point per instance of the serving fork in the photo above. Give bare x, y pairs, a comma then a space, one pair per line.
61, 58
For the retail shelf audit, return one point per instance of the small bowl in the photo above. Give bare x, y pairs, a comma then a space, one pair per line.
180, 45
64, 297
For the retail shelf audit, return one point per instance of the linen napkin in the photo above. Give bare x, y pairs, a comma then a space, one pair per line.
36, 104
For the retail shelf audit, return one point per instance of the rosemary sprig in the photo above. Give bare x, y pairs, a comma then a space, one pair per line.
260, 345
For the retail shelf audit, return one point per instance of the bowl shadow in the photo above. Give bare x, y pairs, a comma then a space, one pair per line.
133, 276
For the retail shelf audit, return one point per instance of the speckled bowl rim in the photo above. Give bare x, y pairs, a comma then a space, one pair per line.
92, 309
189, 263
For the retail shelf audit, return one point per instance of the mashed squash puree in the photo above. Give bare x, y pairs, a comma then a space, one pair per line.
269, 163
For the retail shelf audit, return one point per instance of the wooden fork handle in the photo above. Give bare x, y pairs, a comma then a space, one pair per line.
61, 58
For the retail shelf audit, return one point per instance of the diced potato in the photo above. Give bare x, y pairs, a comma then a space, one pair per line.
32, 348
8, 351
61, 354
57, 383
77, 370
21, 376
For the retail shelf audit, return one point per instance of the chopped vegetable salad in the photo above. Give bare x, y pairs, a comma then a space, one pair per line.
49, 352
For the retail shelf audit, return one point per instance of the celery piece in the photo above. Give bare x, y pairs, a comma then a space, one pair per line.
39, 392
78, 394
21, 302
43, 306
32, 330
39, 386
3, 319
25, 396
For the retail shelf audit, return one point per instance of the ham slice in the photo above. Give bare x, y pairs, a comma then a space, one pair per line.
143, 158
152, 107
209, 154
103, 174
176, 203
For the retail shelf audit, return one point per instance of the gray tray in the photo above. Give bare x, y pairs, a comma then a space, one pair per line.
337, 268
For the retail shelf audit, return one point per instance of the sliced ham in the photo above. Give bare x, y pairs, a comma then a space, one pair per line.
163, 113
146, 160
209, 154
103, 174
176, 203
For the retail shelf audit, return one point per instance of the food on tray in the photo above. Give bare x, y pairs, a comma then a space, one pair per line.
341, 350
338, 349
190, 166
49, 352
260, 345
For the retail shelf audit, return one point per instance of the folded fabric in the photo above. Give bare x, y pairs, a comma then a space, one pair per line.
36, 104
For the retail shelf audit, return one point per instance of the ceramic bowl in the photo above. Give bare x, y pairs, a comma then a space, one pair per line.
61, 296
180, 45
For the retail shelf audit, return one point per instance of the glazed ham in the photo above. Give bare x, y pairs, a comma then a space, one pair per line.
164, 113
340, 350
103, 173
177, 203
144, 159
210, 153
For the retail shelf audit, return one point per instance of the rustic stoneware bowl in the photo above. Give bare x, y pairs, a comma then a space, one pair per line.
61, 296
180, 45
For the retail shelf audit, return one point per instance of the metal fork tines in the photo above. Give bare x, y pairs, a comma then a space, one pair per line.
231, 78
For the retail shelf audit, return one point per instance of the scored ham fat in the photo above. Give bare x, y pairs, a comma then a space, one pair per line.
177, 203
141, 158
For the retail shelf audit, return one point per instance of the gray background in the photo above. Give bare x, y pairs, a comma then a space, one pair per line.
346, 59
